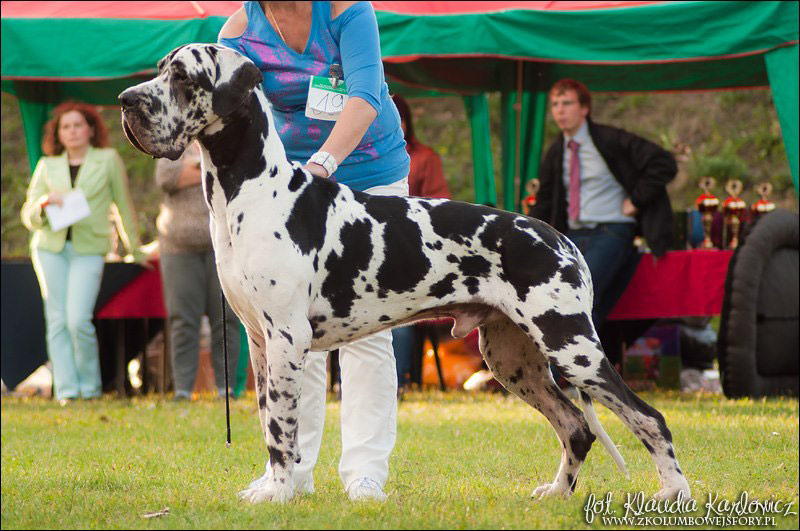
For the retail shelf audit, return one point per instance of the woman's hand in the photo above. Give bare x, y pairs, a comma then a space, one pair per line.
316, 170
53, 198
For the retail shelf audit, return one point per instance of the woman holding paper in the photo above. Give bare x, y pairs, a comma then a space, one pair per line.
324, 78
75, 182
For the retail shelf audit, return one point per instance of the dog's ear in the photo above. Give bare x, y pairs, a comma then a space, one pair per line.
232, 89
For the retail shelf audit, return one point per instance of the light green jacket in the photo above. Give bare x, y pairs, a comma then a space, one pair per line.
102, 179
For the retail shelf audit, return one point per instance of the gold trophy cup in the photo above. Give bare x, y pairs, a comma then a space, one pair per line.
733, 207
707, 204
763, 205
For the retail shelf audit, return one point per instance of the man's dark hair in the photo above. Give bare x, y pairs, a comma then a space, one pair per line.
563, 85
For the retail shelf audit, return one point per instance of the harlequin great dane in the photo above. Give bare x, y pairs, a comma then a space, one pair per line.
310, 264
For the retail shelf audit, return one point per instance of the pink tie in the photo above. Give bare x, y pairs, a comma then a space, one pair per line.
574, 181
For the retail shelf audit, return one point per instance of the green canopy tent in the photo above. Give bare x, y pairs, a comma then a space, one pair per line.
52, 51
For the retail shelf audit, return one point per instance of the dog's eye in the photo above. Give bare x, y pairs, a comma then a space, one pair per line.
179, 77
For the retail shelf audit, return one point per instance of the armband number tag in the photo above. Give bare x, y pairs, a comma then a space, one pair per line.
325, 102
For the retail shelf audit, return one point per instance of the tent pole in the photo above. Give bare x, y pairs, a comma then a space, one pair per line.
517, 135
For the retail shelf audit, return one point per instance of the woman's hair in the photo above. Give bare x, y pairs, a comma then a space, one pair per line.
584, 96
405, 115
51, 145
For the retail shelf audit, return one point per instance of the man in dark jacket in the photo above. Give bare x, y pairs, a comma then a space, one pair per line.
601, 186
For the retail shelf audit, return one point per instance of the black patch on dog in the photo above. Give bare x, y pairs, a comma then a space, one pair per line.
307, 221
475, 266
339, 287
443, 287
405, 264
472, 285
526, 263
571, 275
209, 184
559, 330
581, 442
458, 221
581, 360
237, 150
276, 456
288, 337
298, 178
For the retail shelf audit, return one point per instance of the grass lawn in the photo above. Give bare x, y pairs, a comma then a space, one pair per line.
461, 461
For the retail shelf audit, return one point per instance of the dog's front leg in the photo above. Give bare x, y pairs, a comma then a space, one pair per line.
287, 346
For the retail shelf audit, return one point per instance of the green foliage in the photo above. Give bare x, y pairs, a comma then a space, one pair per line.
723, 165
461, 461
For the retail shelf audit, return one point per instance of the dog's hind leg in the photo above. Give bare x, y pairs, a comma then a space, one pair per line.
570, 342
518, 364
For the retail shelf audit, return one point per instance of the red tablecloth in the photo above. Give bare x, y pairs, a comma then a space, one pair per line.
679, 284
141, 298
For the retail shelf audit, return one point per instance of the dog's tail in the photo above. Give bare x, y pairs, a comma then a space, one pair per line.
598, 431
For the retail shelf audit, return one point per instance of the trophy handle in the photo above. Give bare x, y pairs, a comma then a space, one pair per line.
764, 189
734, 187
707, 183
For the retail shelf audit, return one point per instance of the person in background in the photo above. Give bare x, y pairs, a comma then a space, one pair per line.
361, 147
600, 186
189, 275
69, 262
426, 179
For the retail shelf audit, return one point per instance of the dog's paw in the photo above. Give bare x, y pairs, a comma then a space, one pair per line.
671, 492
551, 489
256, 483
267, 491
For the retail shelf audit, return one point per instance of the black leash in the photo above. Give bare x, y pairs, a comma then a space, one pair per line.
225, 355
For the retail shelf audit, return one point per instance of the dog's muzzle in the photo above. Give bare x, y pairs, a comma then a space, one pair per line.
129, 100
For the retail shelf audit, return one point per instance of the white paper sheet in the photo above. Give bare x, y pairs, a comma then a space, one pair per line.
74, 209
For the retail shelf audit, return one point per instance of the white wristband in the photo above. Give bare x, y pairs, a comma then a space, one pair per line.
325, 160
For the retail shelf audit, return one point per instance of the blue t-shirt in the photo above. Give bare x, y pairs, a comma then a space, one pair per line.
351, 40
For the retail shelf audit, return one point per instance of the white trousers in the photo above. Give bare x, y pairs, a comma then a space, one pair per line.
369, 401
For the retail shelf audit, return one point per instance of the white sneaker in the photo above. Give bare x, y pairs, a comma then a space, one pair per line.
365, 489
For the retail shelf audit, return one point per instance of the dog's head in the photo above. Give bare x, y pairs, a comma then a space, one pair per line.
196, 85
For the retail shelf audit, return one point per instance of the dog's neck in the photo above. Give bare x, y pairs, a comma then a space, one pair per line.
245, 145
232, 137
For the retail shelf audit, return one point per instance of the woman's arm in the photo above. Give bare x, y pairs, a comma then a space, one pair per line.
347, 133
234, 26
359, 46
31, 211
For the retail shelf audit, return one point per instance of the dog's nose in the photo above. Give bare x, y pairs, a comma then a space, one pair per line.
128, 98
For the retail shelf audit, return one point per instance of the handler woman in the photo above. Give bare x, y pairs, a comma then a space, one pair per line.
364, 149
69, 262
